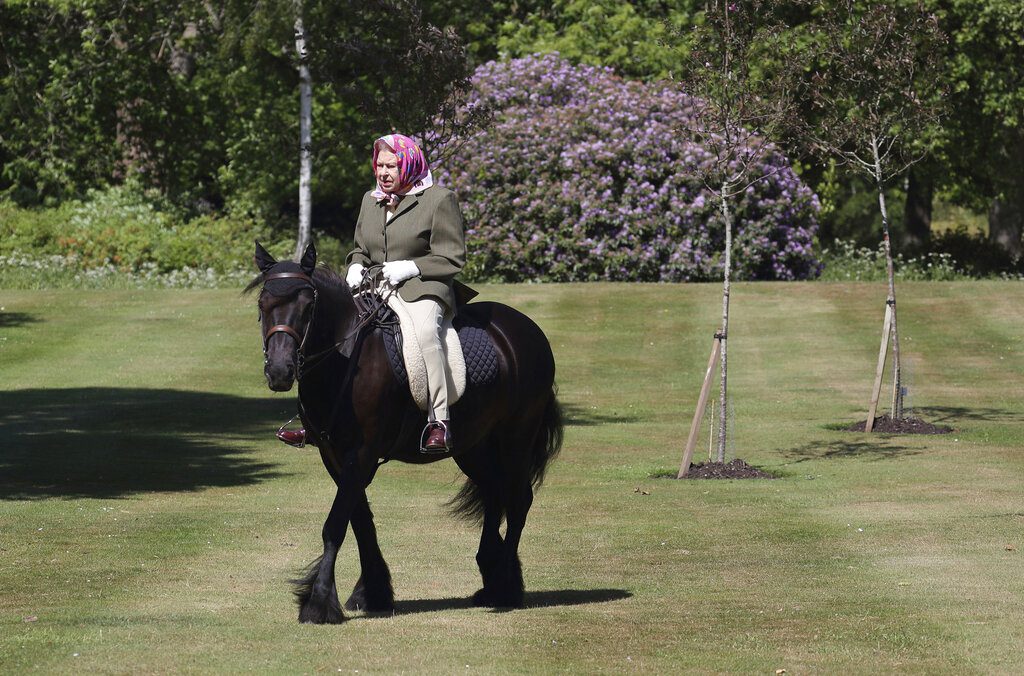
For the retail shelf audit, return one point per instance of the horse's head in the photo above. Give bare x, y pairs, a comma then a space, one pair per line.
287, 302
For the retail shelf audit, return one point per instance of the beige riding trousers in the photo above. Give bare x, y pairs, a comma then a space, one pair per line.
428, 315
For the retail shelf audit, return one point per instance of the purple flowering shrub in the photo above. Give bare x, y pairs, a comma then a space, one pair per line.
586, 176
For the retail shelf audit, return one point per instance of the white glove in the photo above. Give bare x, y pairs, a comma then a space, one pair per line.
354, 277
397, 272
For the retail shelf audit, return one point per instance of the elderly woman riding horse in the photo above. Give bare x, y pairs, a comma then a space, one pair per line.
414, 229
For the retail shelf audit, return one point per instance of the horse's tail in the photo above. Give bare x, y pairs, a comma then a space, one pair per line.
549, 439
469, 502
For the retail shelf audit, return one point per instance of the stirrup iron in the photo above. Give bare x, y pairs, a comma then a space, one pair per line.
281, 430
426, 432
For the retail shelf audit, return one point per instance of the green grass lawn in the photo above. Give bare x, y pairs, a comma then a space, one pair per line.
149, 520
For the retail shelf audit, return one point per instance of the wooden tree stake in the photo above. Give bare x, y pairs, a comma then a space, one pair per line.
882, 352
702, 403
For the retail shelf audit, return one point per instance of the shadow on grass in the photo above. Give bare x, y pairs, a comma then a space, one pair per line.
537, 599
849, 449
12, 319
586, 417
951, 414
113, 442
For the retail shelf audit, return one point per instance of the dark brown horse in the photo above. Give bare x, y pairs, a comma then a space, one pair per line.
359, 415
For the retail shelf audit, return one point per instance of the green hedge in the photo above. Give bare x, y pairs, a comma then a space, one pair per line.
122, 236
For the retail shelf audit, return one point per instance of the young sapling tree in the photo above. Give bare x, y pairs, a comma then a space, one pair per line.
876, 99
744, 90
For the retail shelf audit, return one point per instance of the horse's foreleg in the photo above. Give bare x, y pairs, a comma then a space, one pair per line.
316, 592
373, 592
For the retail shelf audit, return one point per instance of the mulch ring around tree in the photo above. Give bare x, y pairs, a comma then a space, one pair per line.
887, 425
734, 469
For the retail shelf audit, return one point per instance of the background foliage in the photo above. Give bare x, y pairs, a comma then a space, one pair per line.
125, 232
196, 103
587, 176
198, 99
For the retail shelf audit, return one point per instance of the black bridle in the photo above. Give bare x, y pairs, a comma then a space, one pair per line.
300, 340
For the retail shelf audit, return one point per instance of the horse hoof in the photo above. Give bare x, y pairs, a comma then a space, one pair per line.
482, 599
377, 598
360, 602
492, 598
320, 613
305, 618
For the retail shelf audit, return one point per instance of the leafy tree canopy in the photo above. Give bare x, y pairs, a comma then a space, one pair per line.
198, 99
638, 39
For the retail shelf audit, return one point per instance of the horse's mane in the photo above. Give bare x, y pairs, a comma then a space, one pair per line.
328, 276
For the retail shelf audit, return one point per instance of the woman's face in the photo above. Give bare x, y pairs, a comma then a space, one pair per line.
387, 170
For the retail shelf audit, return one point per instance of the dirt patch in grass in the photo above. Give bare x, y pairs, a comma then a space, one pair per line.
734, 469
887, 425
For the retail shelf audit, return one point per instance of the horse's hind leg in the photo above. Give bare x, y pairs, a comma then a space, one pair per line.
373, 592
490, 555
515, 456
510, 588
481, 495
498, 557
503, 487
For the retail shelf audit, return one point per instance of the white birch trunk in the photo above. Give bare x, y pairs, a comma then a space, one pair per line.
305, 138
723, 407
897, 392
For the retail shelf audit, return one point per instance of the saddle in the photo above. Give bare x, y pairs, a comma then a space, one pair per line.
471, 356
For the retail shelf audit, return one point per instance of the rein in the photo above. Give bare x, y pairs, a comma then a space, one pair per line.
371, 309
366, 311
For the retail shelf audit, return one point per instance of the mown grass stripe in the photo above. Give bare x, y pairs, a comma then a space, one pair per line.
871, 553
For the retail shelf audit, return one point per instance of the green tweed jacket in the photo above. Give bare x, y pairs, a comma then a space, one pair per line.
427, 229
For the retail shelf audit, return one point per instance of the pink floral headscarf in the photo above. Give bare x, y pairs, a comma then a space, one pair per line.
413, 173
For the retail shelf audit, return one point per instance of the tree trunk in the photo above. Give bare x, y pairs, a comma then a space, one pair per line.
305, 138
917, 215
1005, 221
723, 416
897, 392
1006, 215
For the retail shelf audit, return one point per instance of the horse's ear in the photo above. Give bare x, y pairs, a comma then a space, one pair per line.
264, 261
308, 261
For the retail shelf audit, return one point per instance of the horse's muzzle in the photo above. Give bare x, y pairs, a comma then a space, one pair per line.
280, 376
